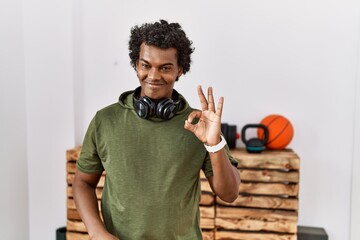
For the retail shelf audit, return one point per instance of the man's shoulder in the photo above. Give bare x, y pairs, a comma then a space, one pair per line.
110, 111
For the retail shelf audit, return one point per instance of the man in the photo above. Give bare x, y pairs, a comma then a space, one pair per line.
152, 145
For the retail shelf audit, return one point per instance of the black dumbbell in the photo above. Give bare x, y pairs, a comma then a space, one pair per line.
230, 134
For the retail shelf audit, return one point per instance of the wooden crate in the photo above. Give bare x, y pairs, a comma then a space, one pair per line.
267, 206
76, 230
207, 208
266, 209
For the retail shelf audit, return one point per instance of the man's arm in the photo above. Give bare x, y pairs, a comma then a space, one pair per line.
84, 187
225, 180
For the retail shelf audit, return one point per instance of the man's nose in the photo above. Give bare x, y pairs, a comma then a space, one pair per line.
154, 74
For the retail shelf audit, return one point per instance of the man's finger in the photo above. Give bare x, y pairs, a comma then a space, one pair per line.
203, 101
193, 114
220, 106
211, 104
188, 126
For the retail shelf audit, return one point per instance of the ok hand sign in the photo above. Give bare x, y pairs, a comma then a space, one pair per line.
208, 128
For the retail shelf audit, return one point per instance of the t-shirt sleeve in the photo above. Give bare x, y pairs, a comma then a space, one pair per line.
89, 160
207, 168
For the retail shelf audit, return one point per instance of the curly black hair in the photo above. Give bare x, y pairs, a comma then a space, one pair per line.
163, 35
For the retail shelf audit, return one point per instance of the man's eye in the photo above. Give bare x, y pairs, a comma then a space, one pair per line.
165, 69
145, 66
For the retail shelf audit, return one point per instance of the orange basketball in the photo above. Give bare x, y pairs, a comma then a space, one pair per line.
280, 131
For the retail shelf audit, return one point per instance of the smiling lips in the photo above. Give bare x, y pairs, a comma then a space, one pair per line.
155, 83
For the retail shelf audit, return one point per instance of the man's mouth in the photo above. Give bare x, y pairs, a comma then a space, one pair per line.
154, 83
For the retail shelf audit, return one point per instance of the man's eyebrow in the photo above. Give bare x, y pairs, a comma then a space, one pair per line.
141, 59
162, 65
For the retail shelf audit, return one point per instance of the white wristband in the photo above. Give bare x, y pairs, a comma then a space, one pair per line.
217, 147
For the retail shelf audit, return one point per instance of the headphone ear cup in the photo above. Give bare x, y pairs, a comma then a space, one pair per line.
166, 109
145, 107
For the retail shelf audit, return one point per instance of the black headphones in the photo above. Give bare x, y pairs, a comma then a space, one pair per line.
165, 108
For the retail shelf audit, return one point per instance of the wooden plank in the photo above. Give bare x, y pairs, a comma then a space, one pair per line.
256, 214
70, 167
286, 160
262, 202
77, 236
69, 192
205, 186
227, 235
73, 154
202, 176
279, 189
207, 223
70, 203
256, 225
70, 178
75, 226
208, 235
207, 199
265, 175
73, 214
289, 153
207, 212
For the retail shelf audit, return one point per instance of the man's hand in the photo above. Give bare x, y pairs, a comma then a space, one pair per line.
208, 128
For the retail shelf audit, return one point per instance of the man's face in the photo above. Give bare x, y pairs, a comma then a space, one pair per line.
157, 70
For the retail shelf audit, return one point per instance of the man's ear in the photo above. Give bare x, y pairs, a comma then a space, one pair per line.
180, 72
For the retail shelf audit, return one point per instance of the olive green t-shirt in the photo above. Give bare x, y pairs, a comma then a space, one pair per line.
152, 186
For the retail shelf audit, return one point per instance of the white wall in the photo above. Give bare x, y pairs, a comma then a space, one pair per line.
50, 111
37, 116
60, 61
355, 194
14, 188
296, 58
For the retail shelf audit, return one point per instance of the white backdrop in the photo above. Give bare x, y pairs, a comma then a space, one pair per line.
298, 59
13, 155
295, 58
